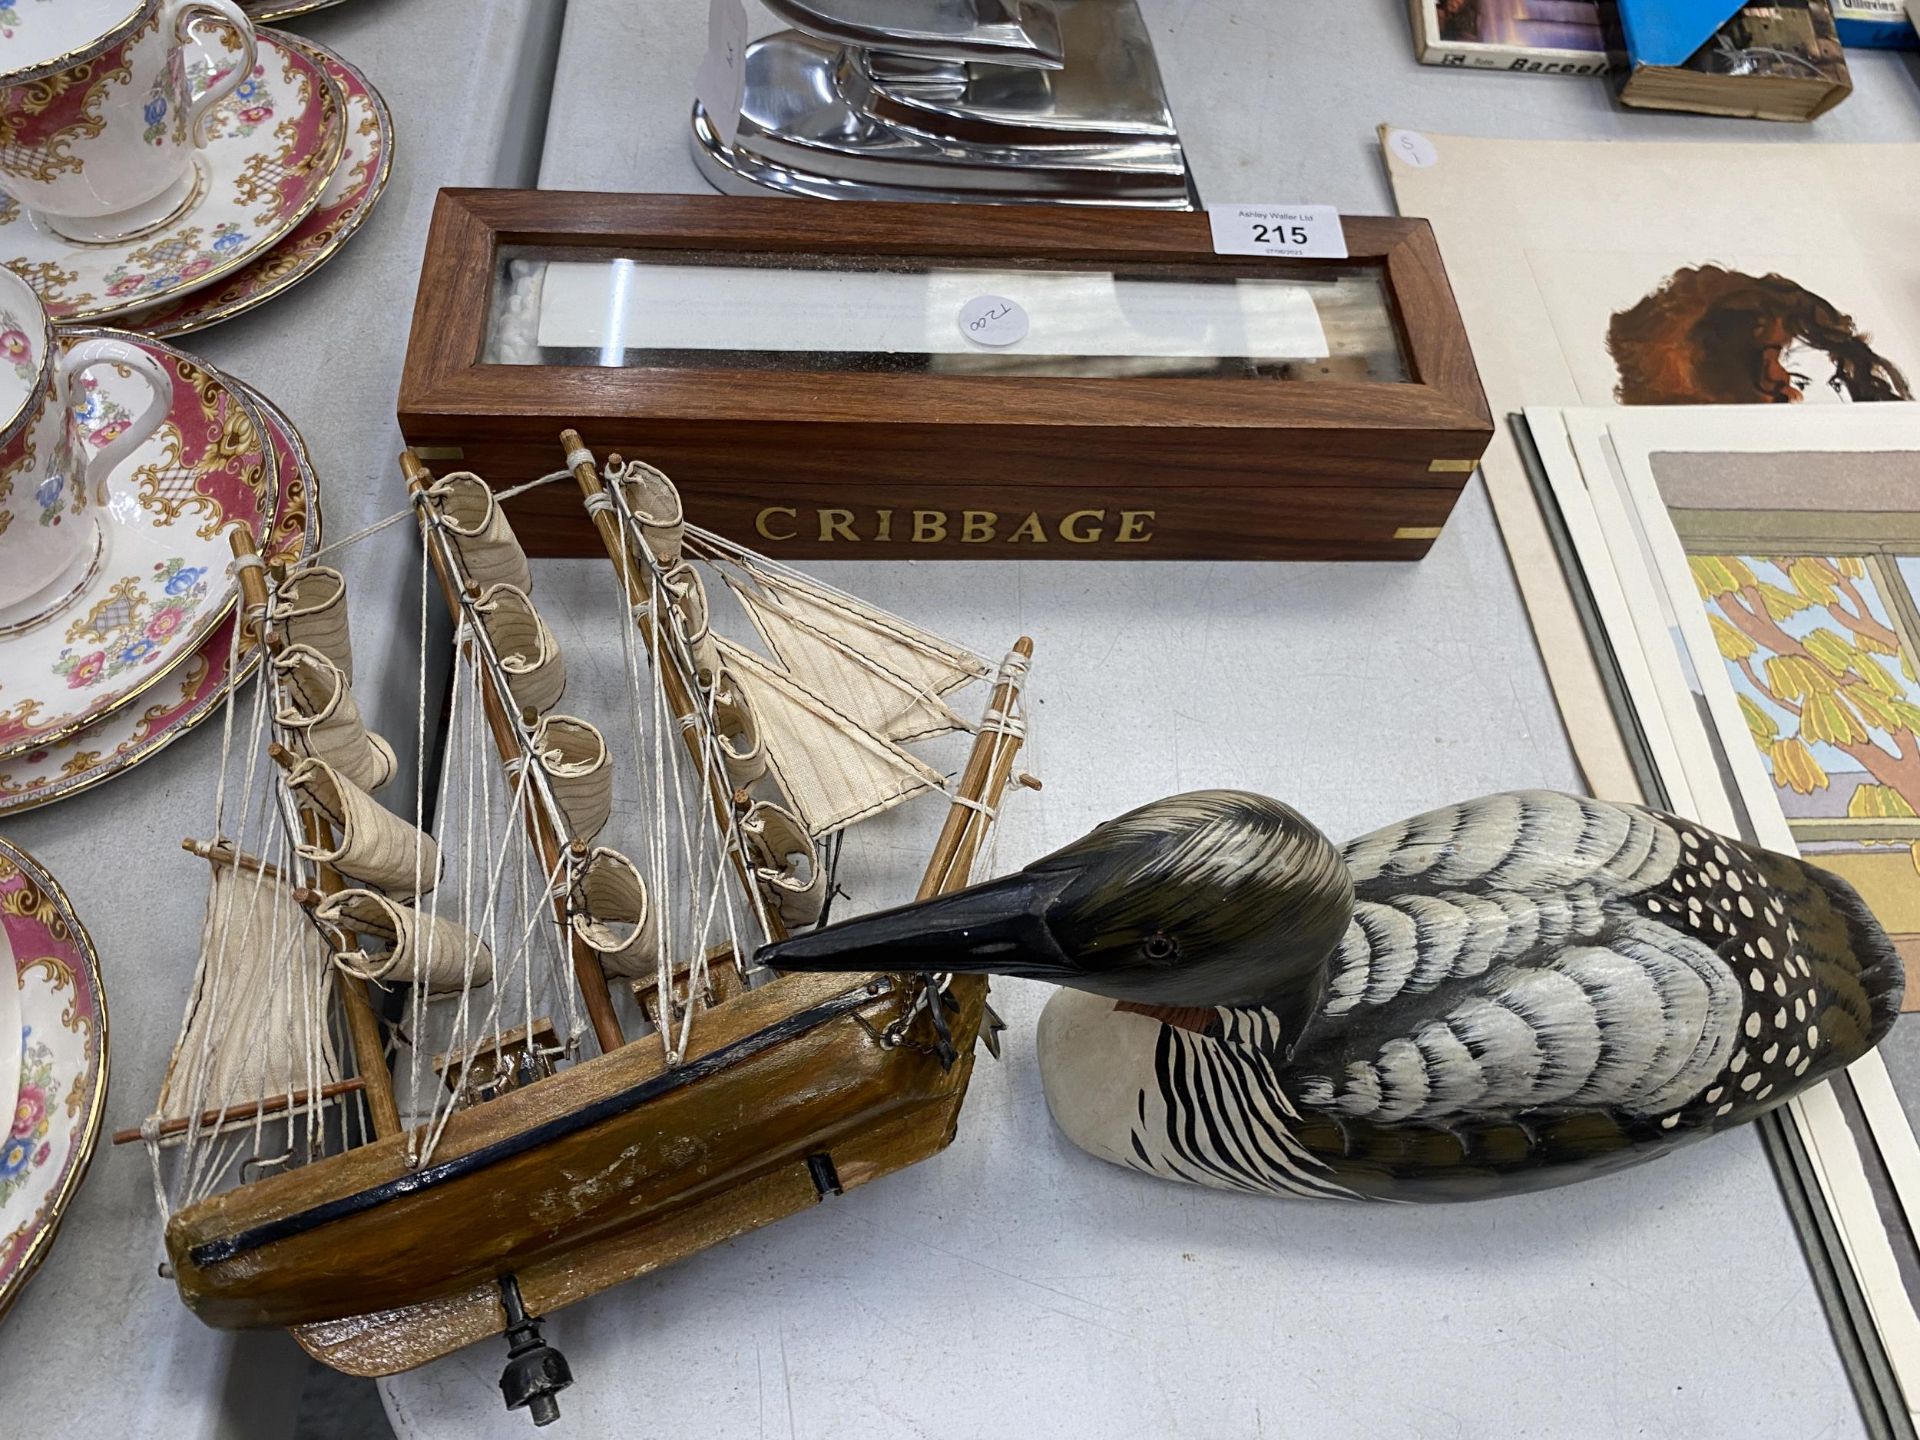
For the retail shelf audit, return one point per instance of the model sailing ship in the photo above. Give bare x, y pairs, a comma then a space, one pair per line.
385, 1123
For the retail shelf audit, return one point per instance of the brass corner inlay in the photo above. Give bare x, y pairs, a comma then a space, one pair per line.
1417, 532
1453, 467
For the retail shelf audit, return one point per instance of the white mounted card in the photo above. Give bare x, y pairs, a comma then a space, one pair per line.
613, 306
1293, 231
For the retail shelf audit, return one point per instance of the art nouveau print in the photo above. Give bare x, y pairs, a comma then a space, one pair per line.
1753, 578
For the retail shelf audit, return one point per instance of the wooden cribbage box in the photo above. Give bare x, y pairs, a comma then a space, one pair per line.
801, 370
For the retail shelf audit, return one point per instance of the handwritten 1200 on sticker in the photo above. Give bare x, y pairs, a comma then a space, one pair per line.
1295, 231
993, 320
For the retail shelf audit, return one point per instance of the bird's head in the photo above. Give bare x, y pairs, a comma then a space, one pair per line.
1213, 898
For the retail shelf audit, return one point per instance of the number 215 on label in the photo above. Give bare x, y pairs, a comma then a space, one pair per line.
1309, 231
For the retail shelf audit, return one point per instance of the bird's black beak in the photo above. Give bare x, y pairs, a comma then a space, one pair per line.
999, 928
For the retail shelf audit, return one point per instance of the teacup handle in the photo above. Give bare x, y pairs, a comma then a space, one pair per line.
106, 351
185, 17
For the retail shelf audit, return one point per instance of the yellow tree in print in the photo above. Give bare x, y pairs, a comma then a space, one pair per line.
1802, 633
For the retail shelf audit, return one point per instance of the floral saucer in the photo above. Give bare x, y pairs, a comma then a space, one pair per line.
164, 582
274, 144
119, 741
57, 1111
349, 199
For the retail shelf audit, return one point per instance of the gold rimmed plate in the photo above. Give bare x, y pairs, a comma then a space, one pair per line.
351, 194
62, 1094
274, 145
165, 582
136, 733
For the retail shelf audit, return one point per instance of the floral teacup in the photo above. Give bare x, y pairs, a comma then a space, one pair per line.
98, 121
51, 539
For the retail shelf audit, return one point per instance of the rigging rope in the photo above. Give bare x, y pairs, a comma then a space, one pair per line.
719, 865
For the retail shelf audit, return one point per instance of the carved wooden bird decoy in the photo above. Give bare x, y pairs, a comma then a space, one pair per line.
1496, 996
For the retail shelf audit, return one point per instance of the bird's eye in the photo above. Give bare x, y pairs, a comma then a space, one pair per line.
1160, 948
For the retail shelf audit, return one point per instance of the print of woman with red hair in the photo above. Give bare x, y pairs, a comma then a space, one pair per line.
1712, 336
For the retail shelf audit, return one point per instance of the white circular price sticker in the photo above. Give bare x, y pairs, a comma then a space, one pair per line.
993, 320
1413, 147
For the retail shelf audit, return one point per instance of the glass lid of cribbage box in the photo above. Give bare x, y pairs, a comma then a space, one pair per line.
824, 313
873, 378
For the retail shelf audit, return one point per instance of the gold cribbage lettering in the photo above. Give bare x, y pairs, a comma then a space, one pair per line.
836, 525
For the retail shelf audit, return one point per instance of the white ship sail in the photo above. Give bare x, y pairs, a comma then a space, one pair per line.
833, 770
612, 916
316, 706
921, 659
313, 612
530, 657
579, 772
440, 956
371, 843
263, 973
899, 704
490, 553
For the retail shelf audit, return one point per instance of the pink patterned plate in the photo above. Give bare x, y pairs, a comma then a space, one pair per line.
349, 199
118, 742
165, 580
63, 1065
274, 144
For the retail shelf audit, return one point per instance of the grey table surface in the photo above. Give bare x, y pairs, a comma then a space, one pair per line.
1010, 1283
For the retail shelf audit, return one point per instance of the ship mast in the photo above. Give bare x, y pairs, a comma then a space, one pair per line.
511, 739
728, 805
363, 1021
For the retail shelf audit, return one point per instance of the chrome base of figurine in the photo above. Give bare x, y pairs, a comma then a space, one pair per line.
836, 121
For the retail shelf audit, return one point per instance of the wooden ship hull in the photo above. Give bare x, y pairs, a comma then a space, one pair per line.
607, 1170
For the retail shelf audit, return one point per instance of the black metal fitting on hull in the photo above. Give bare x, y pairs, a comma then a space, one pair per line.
536, 1372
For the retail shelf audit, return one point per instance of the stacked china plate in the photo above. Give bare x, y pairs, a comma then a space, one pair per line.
53, 1063
165, 164
123, 464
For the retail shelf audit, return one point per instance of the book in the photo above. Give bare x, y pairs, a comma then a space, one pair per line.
1780, 60
1545, 37
1877, 24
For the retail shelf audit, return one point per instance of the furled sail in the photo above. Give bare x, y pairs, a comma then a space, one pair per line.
439, 954
687, 604
371, 844
924, 662
574, 755
786, 863
529, 655
866, 690
312, 610
833, 771
656, 507
256, 1024
489, 552
611, 917
315, 704
736, 733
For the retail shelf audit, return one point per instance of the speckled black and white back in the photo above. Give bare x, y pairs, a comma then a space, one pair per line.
1531, 982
